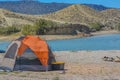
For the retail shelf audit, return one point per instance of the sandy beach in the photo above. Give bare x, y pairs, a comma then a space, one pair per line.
105, 32
79, 65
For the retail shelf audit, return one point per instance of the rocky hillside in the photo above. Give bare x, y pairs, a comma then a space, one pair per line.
82, 14
8, 18
75, 14
111, 17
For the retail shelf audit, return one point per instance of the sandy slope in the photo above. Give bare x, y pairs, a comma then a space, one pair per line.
79, 65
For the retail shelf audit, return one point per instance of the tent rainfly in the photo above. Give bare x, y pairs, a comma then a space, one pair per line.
14, 58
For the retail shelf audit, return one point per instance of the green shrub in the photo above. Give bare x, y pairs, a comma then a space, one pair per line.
28, 30
95, 26
9, 30
42, 26
118, 27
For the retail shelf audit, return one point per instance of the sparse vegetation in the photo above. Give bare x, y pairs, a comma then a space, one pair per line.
75, 14
40, 27
95, 26
118, 27
9, 30
28, 29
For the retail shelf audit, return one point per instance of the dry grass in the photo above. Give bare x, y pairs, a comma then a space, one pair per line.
82, 14
9, 18
76, 14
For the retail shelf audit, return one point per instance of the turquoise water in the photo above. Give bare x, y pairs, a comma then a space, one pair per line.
102, 42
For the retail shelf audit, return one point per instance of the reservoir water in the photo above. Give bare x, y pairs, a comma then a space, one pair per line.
101, 42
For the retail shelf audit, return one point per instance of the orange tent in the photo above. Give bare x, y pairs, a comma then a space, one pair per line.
37, 45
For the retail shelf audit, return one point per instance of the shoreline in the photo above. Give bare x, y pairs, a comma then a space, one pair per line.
105, 32
61, 37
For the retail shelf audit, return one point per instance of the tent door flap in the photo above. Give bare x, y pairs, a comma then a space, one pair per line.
10, 56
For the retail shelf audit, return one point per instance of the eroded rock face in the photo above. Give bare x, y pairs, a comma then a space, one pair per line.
3, 21
71, 29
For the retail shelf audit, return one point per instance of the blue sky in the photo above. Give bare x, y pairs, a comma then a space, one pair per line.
109, 3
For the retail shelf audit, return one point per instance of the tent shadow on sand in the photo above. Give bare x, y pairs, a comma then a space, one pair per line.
28, 53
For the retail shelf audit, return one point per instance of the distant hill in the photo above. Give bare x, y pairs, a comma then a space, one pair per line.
97, 7
32, 7
75, 14
38, 8
111, 13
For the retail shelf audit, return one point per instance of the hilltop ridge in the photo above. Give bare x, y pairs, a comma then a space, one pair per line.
38, 8
75, 14
32, 7
82, 14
